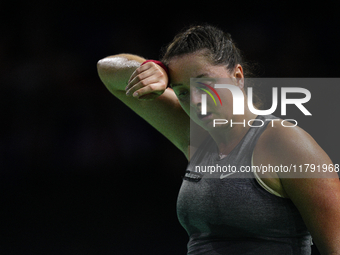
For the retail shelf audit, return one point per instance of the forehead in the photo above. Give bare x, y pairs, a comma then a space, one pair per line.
188, 64
194, 65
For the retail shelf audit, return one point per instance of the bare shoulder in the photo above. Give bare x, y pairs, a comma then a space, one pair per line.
298, 159
289, 144
317, 197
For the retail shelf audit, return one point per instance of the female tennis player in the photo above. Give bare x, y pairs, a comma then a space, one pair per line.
251, 213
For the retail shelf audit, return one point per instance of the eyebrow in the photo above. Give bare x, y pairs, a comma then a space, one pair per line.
180, 84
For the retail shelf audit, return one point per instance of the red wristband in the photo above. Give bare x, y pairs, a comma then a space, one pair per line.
158, 63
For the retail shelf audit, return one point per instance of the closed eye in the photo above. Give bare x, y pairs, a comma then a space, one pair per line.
183, 93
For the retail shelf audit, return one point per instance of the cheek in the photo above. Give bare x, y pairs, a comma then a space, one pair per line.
225, 96
227, 102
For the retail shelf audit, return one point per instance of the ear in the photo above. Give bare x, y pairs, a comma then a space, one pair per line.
238, 74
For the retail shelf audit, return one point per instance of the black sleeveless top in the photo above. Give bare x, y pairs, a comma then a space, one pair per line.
230, 213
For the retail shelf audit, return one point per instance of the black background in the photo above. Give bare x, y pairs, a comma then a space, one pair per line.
83, 174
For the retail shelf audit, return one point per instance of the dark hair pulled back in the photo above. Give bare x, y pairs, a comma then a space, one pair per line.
215, 44
218, 45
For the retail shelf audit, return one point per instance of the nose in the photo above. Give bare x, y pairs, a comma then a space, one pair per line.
195, 99
199, 102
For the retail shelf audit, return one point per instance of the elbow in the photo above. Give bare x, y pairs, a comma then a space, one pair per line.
104, 69
100, 70
101, 66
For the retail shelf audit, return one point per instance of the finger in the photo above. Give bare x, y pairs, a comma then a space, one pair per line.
138, 83
141, 69
155, 88
140, 77
144, 83
133, 75
140, 74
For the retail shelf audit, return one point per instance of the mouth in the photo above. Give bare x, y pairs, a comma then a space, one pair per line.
207, 116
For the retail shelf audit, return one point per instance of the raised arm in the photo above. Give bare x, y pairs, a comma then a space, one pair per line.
163, 112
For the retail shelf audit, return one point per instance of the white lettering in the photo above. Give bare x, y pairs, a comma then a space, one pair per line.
298, 102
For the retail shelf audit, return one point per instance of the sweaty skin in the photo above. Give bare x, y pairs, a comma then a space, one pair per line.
317, 199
